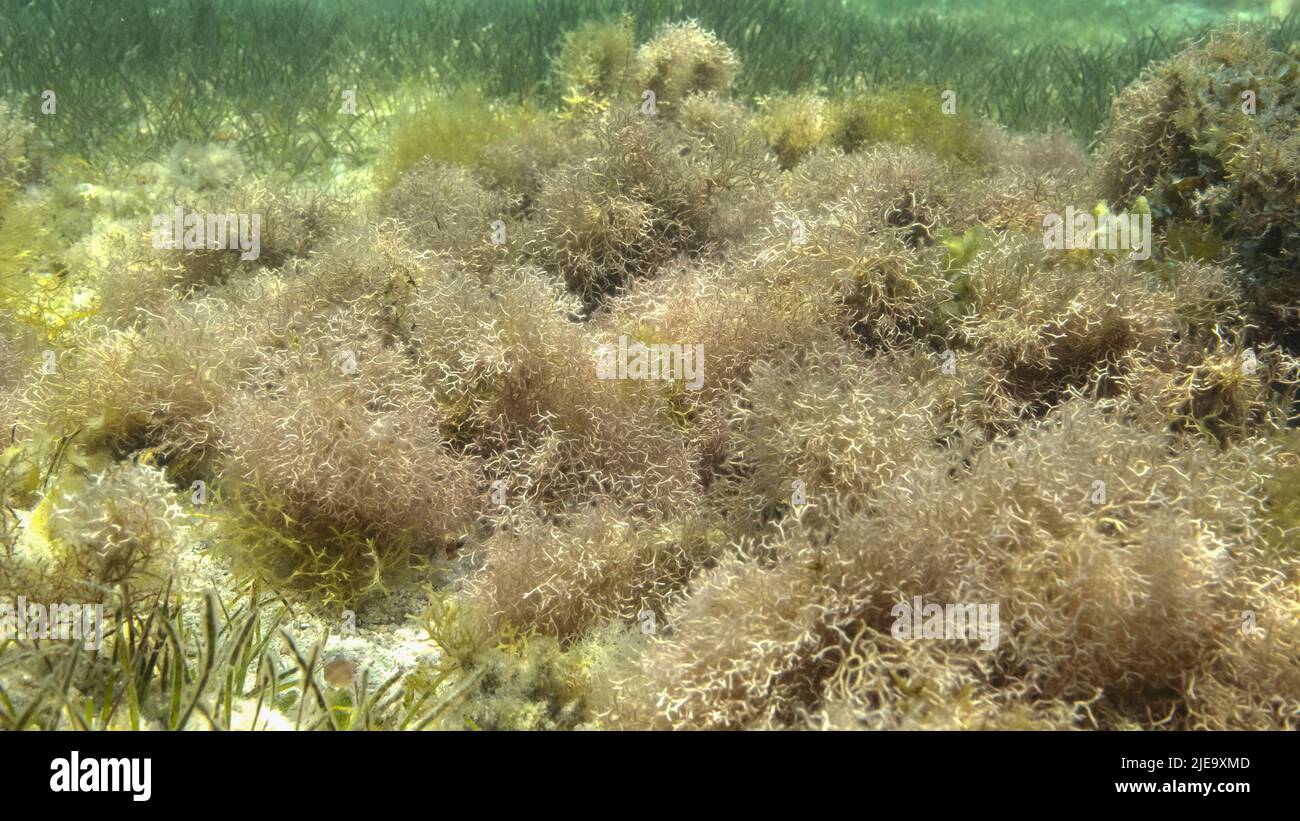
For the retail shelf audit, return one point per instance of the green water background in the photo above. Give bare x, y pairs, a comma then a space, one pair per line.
135, 76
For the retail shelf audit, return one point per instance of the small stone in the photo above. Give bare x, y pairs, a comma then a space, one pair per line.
340, 673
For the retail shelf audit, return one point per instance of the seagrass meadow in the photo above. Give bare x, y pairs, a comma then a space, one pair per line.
675, 364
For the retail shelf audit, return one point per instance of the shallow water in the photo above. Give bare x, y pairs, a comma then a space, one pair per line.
595, 364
